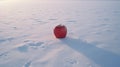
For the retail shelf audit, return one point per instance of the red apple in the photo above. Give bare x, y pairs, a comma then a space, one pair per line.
60, 31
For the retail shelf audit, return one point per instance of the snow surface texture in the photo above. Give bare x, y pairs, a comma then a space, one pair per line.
27, 39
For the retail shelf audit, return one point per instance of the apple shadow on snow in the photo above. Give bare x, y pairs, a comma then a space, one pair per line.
98, 55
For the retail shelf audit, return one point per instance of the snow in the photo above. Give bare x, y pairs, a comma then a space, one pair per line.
27, 39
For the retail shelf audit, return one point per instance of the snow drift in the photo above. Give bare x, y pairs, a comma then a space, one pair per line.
27, 39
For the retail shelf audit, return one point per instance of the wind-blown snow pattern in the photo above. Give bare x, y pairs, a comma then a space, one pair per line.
27, 39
